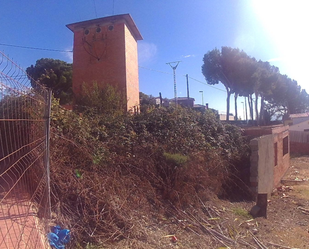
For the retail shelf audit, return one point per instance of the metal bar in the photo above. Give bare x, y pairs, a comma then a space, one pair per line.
47, 154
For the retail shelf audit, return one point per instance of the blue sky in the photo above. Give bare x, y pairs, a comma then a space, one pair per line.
173, 30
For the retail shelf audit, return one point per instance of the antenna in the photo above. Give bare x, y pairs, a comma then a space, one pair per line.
113, 7
174, 72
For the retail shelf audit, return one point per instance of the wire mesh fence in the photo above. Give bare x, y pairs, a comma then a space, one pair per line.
24, 164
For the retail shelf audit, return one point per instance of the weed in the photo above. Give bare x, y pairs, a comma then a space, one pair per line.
242, 212
177, 159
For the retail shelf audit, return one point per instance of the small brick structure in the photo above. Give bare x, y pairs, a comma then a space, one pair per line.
105, 52
270, 156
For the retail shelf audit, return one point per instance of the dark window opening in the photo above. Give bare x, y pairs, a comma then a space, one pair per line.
276, 153
285, 145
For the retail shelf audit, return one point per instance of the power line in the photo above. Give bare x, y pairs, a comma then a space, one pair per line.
71, 51
206, 84
183, 76
155, 70
34, 48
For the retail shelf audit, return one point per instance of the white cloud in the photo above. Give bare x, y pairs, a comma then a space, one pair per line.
188, 56
146, 52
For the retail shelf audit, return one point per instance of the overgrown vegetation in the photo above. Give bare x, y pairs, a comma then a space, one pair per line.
110, 170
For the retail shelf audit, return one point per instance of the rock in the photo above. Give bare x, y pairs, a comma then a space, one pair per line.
255, 210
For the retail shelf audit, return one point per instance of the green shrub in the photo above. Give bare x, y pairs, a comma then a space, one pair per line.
134, 162
177, 159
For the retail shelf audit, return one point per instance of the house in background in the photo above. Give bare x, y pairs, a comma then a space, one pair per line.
303, 126
298, 122
184, 101
297, 118
164, 103
223, 117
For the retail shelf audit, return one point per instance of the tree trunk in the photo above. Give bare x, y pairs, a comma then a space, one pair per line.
250, 106
262, 118
228, 104
246, 109
256, 108
235, 98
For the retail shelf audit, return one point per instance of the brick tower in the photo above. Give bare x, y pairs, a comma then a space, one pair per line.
105, 51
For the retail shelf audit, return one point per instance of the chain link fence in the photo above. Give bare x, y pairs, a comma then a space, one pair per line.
24, 158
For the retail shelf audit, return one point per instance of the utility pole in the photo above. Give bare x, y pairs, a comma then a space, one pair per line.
174, 72
187, 76
160, 99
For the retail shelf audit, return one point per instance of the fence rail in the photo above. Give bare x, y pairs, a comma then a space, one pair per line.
299, 136
24, 172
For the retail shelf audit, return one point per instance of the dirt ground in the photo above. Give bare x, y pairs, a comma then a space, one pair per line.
222, 224
287, 222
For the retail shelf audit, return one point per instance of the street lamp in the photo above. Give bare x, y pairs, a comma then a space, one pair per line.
202, 97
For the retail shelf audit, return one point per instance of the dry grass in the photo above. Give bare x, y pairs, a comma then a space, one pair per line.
128, 182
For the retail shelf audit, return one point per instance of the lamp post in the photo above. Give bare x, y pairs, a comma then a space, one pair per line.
202, 97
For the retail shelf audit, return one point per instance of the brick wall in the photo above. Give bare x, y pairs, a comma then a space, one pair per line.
132, 89
270, 157
283, 160
105, 52
299, 148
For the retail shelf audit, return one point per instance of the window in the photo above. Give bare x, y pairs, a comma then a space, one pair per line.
285, 145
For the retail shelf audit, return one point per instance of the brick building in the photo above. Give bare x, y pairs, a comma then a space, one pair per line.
270, 156
105, 52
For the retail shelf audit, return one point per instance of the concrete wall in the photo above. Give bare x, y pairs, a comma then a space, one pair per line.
299, 120
270, 157
262, 164
300, 126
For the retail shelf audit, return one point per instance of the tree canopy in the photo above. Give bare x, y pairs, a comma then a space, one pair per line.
243, 75
224, 67
54, 74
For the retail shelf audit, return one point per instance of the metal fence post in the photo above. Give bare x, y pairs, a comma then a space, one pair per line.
47, 147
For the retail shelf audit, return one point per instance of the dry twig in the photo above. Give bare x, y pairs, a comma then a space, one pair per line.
280, 246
